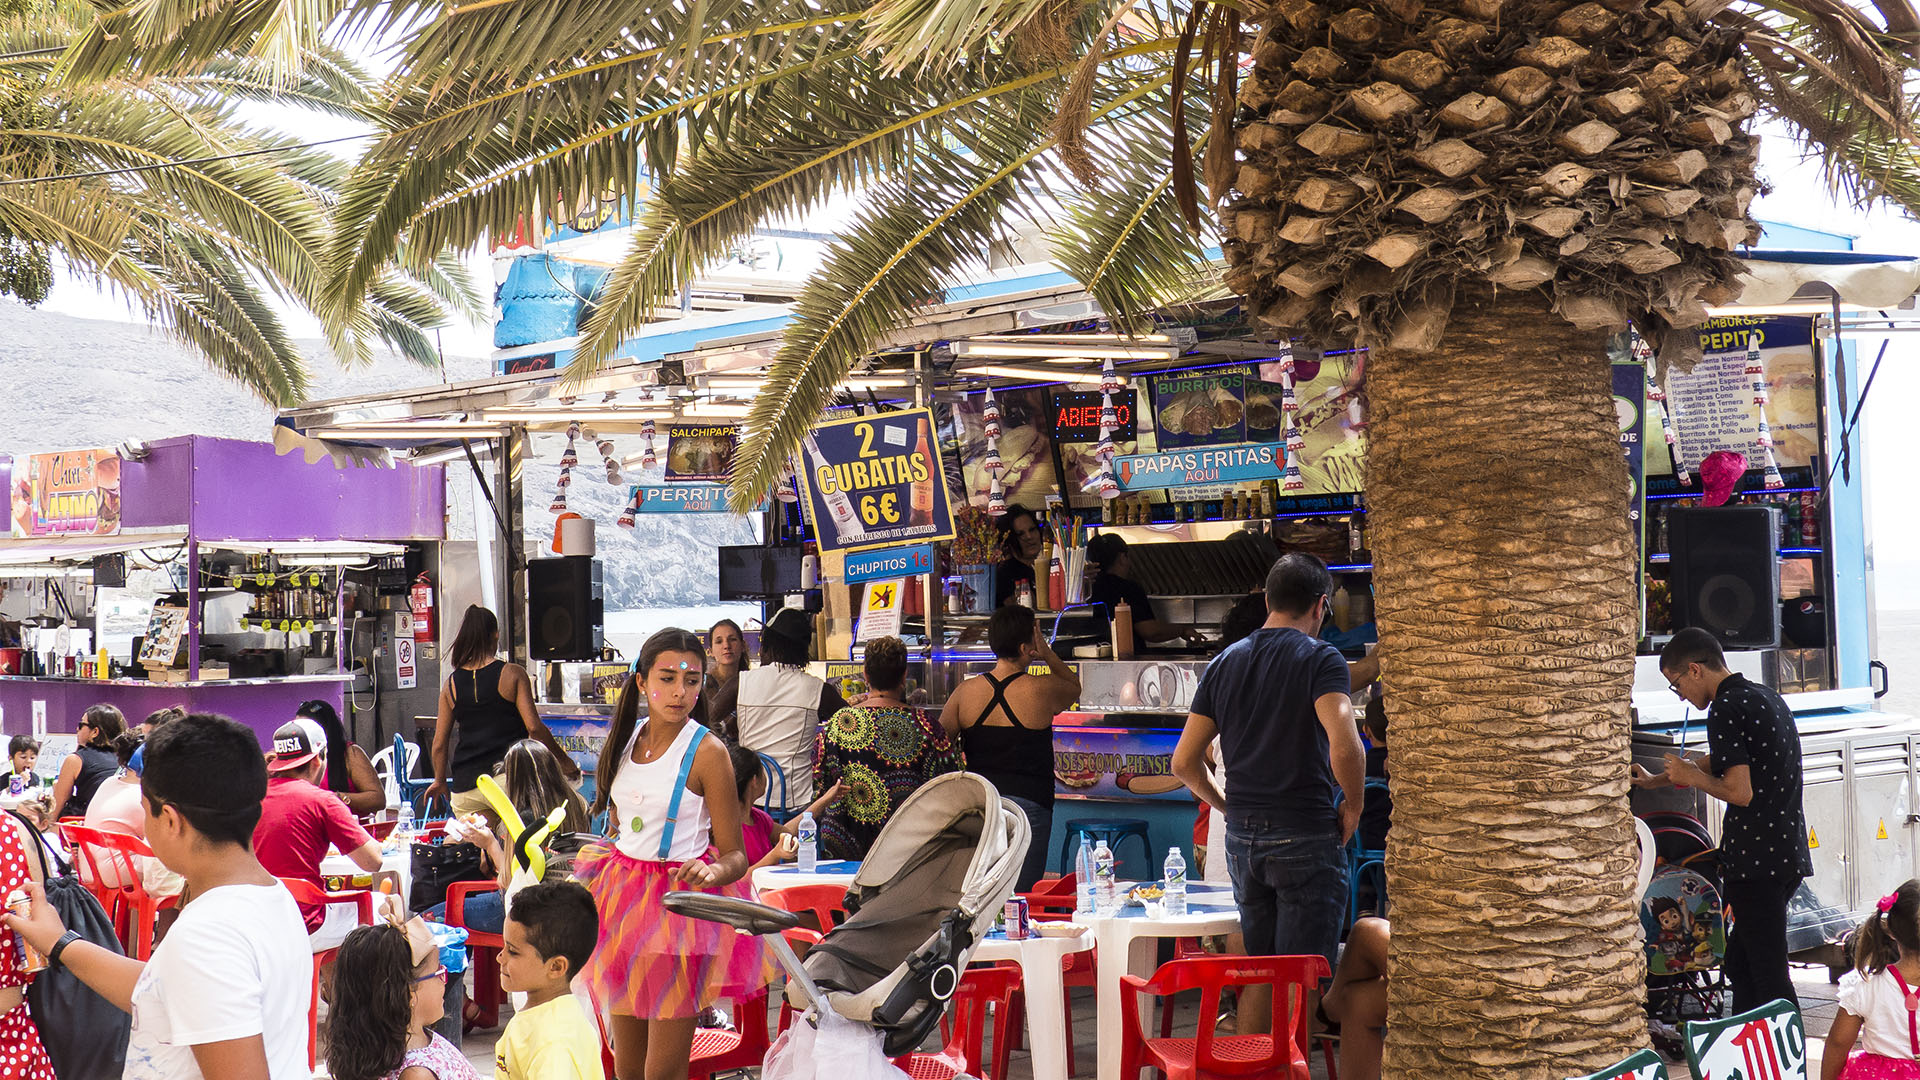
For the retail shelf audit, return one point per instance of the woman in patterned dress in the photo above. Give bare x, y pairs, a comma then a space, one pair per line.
22, 1057
880, 750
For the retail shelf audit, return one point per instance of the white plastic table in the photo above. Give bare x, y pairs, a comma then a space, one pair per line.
787, 875
1127, 946
398, 863
1040, 959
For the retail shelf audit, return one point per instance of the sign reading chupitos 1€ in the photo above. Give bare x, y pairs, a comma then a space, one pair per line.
1208, 465
890, 563
876, 480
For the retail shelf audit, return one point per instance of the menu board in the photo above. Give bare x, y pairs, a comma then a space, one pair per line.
876, 481
702, 452
67, 493
1200, 410
1712, 407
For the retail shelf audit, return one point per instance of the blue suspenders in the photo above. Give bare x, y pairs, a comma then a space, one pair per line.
680, 788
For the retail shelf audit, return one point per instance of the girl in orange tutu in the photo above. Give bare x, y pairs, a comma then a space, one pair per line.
677, 825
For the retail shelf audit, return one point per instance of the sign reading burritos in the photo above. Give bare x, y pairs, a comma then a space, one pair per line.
701, 452
67, 493
1200, 410
876, 480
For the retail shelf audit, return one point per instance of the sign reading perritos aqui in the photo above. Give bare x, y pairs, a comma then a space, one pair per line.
67, 493
683, 499
876, 480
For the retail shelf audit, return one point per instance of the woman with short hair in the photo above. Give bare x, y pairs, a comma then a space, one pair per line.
880, 750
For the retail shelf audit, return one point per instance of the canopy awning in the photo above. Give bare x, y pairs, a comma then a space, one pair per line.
1816, 278
42, 552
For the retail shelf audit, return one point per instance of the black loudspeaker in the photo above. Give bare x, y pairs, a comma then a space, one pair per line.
1726, 573
563, 608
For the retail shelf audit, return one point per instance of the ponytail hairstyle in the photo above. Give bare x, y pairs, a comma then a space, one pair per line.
1891, 932
372, 1004
479, 636
626, 711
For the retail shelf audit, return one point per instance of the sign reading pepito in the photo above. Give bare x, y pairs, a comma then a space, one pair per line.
1212, 465
876, 480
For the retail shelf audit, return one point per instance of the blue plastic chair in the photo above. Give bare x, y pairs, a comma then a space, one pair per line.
410, 789
1366, 864
778, 810
1112, 830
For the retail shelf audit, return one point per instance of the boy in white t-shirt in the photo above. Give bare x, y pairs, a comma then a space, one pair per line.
227, 991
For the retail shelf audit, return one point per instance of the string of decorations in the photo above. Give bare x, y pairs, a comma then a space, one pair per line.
1657, 401
1763, 439
990, 430
1290, 478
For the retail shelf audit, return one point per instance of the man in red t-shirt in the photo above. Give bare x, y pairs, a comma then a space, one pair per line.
300, 822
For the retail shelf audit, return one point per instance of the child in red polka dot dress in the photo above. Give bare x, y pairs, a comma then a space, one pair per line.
22, 1057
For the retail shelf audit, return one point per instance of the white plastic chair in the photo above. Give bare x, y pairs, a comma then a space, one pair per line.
383, 767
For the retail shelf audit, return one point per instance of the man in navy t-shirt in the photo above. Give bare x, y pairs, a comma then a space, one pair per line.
1278, 700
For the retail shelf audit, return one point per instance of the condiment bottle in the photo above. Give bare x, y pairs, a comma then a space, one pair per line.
1122, 631
1056, 583
1043, 576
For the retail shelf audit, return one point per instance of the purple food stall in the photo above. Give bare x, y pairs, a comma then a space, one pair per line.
253, 548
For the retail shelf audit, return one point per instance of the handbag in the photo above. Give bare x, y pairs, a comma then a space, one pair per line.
436, 866
85, 1034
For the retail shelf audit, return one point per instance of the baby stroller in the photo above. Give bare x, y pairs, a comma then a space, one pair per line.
932, 884
1684, 921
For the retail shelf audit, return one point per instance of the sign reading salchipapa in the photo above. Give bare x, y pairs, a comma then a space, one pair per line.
876, 480
1201, 465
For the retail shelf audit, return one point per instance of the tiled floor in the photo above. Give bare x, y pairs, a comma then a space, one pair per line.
1817, 1005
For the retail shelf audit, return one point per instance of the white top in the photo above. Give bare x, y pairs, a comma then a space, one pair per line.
641, 796
778, 714
1882, 1010
235, 964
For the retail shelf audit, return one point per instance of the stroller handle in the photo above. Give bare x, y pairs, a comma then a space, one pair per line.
743, 915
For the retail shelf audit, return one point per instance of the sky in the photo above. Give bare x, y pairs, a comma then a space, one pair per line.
1799, 196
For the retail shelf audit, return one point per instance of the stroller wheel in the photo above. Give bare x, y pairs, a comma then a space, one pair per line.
944, 981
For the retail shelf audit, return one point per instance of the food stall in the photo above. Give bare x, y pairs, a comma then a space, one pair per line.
220, 575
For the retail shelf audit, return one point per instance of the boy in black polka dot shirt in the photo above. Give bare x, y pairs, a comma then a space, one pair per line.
1752, 765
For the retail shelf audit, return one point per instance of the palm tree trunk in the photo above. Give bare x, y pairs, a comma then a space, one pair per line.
1506, 604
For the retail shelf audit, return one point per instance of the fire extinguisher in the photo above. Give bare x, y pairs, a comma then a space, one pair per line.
422, 597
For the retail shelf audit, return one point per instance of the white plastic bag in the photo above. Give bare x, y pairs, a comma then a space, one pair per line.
837, 1049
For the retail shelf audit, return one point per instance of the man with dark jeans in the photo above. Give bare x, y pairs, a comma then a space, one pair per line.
1278, 700
1752, 765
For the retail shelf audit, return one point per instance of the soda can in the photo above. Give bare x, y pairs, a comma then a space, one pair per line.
1015, 914
19, 903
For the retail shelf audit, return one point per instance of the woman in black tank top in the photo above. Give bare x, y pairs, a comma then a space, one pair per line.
1016, 752
91, 763
489, 702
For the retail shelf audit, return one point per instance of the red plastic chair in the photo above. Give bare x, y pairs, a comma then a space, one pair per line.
982, 990
117, 856
717, 1050
75, 835
485, 950
826, 903
1283, 1053
306, 892
1052, 897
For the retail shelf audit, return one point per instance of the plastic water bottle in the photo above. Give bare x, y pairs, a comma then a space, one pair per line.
403, 827
1083, 876
1104, 900
809, 836
1173, 881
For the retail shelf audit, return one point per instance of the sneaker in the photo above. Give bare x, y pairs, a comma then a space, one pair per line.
715, 1018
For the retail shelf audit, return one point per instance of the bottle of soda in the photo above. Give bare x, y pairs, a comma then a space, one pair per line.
1105, 902
1173, 882
809, 836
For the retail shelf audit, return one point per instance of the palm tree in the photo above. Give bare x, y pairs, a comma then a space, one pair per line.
1477, 191
147, 180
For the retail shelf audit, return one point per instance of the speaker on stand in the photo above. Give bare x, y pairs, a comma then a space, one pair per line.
1725, 573
564, 608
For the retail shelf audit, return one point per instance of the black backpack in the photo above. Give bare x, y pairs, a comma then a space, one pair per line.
85, 1034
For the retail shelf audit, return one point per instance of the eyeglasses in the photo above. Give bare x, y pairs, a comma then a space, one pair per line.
82, 724
438, 973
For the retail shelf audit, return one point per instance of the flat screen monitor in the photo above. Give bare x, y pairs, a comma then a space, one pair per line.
751, 572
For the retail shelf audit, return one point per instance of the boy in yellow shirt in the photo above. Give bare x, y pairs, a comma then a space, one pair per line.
550, 931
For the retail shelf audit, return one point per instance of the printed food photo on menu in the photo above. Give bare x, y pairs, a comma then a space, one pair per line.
1026, 449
